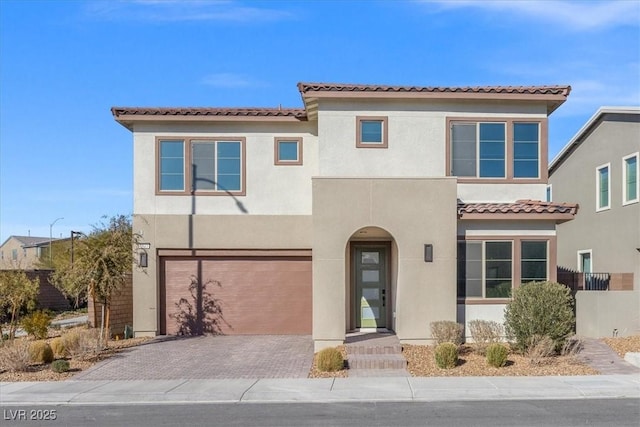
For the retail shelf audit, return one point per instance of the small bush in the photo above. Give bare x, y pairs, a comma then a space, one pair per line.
446, 355
542, 309
37, 324
329, 360
572, 346
60, 366
538, 348
40, 352
447, 331
485, 332
81, 343
497, 355
57, 345
14, 356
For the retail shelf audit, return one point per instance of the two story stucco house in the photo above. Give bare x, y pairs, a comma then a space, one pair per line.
370, 207
599, 251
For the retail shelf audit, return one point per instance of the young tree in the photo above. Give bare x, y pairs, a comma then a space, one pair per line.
17, 292
101, 261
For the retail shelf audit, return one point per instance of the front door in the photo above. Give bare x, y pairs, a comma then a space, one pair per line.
371, 281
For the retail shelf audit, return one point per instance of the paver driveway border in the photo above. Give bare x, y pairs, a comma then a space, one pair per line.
209, 357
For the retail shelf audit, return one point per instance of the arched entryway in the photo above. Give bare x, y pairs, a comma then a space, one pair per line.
371, 270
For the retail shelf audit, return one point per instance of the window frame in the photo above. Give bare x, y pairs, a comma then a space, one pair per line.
600, 208
384, 133
276, 151
516, 262
579, 255
625, 195
549, 193
188, 160
509, 122
546, 260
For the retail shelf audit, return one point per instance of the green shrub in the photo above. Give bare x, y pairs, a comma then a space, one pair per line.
329, 360
60, 366
497, 355
543, 309
40, 352
37, 324
15, 356
57, 345
446, 355
485, 332
447, 331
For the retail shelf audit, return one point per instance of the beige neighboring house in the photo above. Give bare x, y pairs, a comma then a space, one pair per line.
22, 252
598, 169
372, 207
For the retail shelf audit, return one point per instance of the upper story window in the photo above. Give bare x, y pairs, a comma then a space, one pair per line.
288, 151
372, 132
549, 193
630, 184
603, 187
14, 254
202, 166
508, 149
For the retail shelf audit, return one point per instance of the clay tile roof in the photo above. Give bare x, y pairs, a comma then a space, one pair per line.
306, 88
297, 113
520, 206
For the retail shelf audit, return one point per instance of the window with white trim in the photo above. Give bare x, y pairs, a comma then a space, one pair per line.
549, 193
630, 184
603, 187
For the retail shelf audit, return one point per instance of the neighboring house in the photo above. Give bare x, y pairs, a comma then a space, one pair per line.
22, 252
372, 207
598, 169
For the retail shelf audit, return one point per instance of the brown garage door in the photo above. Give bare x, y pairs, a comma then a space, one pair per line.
236, 295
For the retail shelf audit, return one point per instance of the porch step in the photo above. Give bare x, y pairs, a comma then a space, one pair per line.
377, 361
375, 355
364, 349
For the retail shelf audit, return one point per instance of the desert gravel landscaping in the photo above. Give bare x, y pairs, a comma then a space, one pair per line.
420, 363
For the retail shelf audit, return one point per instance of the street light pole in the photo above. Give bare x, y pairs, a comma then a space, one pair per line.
51, 241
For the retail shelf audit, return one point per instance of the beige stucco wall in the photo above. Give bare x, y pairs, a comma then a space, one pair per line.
414, 211
599, 313
26, 258
270, 189
207, 232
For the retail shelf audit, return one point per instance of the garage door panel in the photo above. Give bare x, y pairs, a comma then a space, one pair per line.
256, 295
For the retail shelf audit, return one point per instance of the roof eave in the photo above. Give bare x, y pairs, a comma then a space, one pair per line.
557, 217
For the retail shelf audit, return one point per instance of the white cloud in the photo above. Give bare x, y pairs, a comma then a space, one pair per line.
229, 80
182, 11
573, 15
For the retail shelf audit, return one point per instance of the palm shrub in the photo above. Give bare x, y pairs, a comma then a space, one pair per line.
447, 331
446, 355
329, 360
497, 355
540, 309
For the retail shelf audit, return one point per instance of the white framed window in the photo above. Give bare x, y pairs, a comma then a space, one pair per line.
630, 185
585, 261
603, 187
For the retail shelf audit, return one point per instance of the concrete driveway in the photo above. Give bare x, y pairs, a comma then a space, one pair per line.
209, 357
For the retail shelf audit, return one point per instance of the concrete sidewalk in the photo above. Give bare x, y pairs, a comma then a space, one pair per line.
319, 390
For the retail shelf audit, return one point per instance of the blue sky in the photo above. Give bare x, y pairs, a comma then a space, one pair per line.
64, 64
